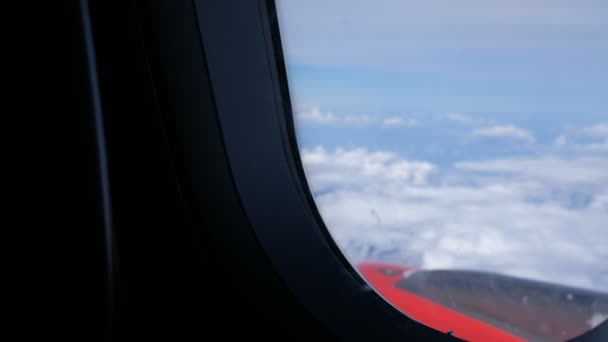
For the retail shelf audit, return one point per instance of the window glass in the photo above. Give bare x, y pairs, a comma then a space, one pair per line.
458, 153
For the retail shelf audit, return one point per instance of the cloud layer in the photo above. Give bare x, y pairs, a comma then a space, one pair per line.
540, 218
592, 138
600, 129
505, 131
316, 116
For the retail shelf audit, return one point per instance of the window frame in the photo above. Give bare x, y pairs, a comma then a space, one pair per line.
250, 90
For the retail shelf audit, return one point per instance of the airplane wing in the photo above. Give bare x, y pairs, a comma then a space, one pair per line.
479, 306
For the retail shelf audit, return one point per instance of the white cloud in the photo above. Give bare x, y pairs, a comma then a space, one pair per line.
357, 167
505, 131
600, 202
597, 319
597, 131
489, 216
596, 146
393, 121
583, 170
560, 141
600, 129
458, 117
359, 119
399, 121
315, 115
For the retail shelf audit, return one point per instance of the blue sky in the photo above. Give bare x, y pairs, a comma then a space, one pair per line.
457, 134
356, 90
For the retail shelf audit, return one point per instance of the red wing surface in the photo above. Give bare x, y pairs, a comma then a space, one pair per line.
480, 306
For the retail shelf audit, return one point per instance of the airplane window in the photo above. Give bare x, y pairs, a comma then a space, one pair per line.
457, 151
